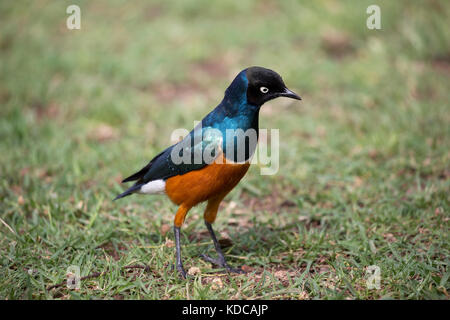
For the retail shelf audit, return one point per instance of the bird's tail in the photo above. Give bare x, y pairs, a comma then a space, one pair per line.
130, 191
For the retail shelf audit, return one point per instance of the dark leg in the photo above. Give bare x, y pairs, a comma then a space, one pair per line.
221, 260
177, 245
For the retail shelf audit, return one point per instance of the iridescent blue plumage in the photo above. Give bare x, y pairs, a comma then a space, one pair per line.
198, 168
239, 110
233, 113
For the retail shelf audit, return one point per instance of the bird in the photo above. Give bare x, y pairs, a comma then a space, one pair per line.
209, 162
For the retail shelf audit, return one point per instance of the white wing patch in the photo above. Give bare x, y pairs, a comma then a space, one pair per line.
153, 187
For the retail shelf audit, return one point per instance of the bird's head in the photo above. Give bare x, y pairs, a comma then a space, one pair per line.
264, 85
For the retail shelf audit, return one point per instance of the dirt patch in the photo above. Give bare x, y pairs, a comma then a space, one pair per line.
217, 66
259, 275
212, 67
169, 92
111, 250
409, 171
441, 63
337, 44
271, 203
49, 111
103, 133
154, 11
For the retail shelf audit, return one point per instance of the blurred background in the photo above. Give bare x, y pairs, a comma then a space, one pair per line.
82, 109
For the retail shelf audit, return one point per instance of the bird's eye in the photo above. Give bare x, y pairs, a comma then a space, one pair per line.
264, 89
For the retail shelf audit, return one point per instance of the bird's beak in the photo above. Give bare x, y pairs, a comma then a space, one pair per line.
290, 94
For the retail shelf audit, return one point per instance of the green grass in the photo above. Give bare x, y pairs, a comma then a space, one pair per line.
364, 173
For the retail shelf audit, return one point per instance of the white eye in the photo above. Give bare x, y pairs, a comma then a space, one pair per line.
264, 89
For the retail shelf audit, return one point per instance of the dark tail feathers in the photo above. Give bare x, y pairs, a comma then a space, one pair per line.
138, 174
129, 191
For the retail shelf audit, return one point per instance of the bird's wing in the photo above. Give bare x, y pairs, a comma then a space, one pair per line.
143, 171
198, 149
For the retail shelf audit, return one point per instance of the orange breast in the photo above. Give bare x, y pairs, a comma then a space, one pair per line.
200, 185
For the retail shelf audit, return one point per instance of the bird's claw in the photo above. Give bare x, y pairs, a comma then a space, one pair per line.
216, 262
181, 270
221, 263
234, 270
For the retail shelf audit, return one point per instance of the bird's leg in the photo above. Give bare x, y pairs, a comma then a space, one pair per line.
221, 262
178, 249
177, 223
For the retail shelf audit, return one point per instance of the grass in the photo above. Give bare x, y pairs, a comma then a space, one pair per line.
364, 174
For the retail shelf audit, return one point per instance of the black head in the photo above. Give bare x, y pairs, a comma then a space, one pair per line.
264, 85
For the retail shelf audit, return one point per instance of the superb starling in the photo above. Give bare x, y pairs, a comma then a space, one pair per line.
209, 162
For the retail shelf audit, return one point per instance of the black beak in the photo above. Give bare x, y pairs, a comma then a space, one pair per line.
290, 94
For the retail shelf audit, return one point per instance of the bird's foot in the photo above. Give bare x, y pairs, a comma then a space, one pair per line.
181, 270
221, 263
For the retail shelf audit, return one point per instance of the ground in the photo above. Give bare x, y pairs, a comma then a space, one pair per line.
364, 172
